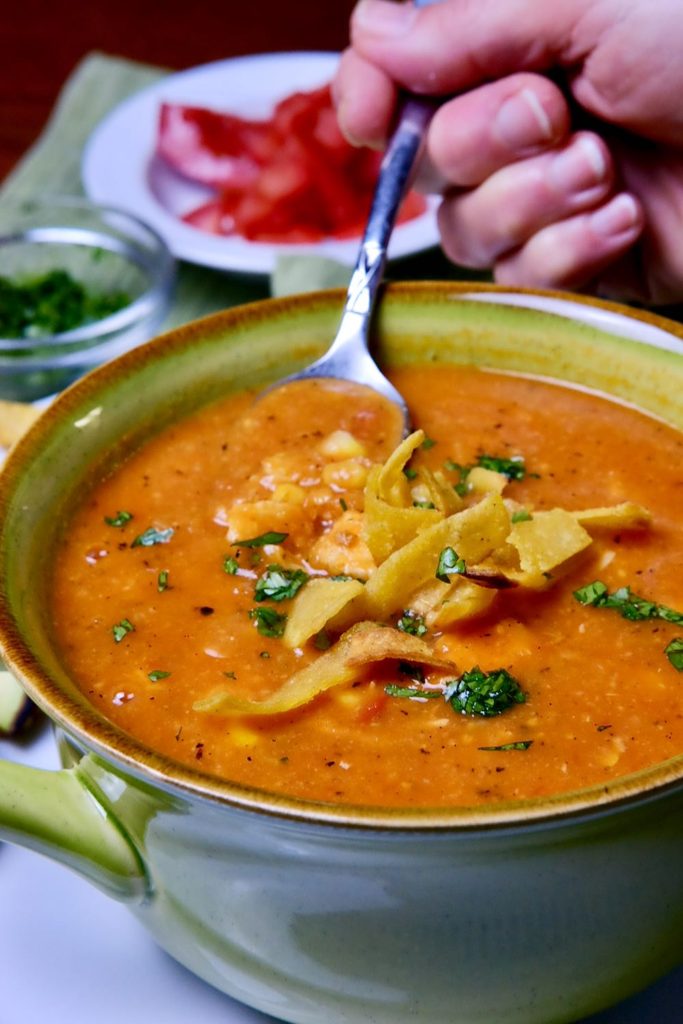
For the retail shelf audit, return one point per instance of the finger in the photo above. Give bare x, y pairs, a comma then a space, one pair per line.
481, 131
574, 252
515, 203
453, 45
365, 98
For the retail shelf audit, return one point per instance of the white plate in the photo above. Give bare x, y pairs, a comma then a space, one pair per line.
119, 168
69, 953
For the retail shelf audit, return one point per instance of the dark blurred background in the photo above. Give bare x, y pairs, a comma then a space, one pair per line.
42, 42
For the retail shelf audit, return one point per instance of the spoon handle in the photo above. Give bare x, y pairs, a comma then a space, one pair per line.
392, 185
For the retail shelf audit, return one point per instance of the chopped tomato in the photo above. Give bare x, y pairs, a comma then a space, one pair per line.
293, 178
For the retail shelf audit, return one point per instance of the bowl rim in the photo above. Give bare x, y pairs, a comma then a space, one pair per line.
159, 268
127, 756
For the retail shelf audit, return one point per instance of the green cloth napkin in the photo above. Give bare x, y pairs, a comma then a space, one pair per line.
52, 167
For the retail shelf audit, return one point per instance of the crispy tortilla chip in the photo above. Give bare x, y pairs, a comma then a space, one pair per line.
547, 540
387, 527
464, 600
314, 606
15, 419
473, 533
486, 481
625, 515
392, 483
364, 643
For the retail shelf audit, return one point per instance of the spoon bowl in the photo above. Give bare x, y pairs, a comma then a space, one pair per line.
348, 357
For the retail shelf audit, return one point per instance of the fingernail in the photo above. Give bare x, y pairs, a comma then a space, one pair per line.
619, 216
384, 17
580, 167
522, 122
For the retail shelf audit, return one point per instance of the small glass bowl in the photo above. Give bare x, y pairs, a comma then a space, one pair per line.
104, 249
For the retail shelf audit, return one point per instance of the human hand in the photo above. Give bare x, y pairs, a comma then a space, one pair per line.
531, 188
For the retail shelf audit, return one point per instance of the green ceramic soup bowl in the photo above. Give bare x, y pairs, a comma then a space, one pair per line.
539, 912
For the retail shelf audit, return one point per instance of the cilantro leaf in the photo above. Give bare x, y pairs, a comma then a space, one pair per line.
270, 537
411, 622
230, 565
162, 581
410, 691
122, 629
268, 621
278, 584
120, 519
152, 536
629, 605
484, 693
674, 652
158, 674
450, 564
520, 516
513, 469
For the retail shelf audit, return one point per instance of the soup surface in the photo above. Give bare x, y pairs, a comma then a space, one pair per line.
180, 575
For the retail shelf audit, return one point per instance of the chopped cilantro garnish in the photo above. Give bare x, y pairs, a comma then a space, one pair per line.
51, 303
424, 504
122, 629
412, 623
513, 469
230, 565
449, 565
427, 443
484, 693
162, 581
409, 472
278, 584
520, 516
120, 519
517, 745
152, 536
270, 537
463, 472
629, 605
410, 691
268, 622
158, 674
344, 506
674, 652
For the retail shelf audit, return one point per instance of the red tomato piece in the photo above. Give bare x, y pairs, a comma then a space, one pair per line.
294, 178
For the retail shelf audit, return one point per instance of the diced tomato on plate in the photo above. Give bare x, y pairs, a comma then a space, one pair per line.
293, 178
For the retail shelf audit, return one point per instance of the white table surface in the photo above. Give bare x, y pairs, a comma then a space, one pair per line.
69, 953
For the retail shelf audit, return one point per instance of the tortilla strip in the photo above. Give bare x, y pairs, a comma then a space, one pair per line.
547, 540
387, 527
15, 419
364, 643
315, 605
473, 533
627, 514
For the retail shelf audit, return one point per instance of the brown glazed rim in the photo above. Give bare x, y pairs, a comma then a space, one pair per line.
92, 732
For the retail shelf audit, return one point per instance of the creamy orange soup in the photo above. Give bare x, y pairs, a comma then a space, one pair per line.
155, 606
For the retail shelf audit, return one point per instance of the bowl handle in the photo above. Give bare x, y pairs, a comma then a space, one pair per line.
57, 813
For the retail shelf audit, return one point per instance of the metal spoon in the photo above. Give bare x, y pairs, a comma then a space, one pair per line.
348, 357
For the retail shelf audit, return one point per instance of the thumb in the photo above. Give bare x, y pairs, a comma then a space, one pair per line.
446, 47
